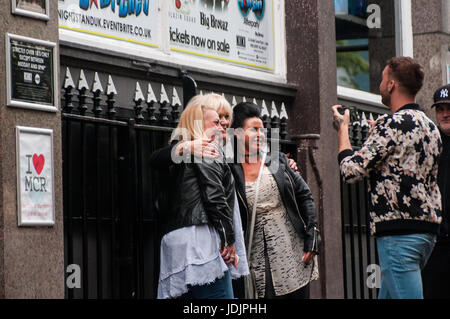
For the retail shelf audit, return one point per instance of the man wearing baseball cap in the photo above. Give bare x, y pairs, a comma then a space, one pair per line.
436, 274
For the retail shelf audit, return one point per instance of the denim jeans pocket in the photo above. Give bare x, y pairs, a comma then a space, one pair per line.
429, 250
410, 252
406, 257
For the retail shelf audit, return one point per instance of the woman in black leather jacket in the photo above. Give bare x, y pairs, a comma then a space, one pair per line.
199, 232
285, 235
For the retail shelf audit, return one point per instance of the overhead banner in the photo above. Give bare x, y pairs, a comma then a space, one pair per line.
133, 21
235, 31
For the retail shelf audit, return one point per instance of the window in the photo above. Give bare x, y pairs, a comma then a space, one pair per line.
368, 34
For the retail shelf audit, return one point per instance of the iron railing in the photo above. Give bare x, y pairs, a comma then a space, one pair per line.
358, 246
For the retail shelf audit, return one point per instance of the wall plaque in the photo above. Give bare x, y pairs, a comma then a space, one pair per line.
31, 70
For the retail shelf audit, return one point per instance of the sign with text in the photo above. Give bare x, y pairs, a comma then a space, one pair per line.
31, 73
35, 193
240, 32
133, 21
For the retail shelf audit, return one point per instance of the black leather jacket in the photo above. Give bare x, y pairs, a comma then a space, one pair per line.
200, 193
296, 197
444, 186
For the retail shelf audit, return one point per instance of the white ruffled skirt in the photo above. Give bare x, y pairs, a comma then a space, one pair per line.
190, 256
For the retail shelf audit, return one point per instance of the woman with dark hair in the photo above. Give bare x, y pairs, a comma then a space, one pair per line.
281, 231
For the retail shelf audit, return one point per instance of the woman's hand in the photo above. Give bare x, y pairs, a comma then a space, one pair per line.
199, 148
229, 255
292, 164
307, 258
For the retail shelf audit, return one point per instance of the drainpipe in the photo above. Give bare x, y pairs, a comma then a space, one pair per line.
307, 148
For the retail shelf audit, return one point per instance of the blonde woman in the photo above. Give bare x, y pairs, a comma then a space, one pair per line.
198, 248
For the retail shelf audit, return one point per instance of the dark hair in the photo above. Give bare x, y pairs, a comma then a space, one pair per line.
408, 72
243, 111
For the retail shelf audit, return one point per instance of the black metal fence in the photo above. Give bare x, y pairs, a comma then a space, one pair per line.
111, 228
110, 221
358, 246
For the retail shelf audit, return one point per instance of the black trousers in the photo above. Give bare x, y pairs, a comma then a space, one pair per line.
436, 274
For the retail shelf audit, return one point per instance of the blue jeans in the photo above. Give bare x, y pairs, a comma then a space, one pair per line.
402, 258
221, 288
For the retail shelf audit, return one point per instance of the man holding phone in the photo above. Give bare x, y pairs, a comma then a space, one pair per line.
400, 160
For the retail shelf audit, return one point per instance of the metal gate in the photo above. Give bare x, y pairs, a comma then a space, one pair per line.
110, 221
358, 246
359, 249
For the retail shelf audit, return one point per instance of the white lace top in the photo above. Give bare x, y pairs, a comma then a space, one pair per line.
284, 246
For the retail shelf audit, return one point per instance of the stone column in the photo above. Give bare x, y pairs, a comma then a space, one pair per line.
311, 65
431, 30
31, 258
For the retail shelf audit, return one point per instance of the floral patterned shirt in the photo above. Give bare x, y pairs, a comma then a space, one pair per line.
400, 159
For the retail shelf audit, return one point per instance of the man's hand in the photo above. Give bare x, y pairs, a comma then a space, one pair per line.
340, 120
341, 123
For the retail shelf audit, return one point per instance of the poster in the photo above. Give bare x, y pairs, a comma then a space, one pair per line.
35, 194
239, 32
38, 9
31, 68
133, 21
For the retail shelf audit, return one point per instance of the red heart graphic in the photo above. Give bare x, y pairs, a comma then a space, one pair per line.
38, 162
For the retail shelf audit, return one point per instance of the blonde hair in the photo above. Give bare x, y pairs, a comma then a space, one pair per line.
191, 126
219, 102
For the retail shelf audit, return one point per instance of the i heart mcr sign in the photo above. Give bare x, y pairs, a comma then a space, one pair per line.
35, 183
38, 162
35, 196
